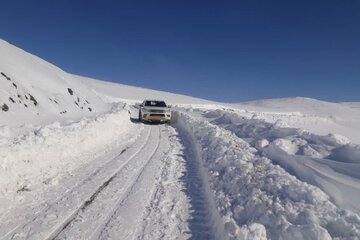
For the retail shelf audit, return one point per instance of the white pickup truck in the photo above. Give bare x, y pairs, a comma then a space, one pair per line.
154, 111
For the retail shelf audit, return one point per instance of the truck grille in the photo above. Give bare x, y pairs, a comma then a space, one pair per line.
156, 111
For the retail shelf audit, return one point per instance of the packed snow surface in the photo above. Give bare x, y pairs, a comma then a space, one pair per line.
75, 162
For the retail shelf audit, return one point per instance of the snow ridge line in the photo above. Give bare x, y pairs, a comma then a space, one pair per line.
122, 198
206, 222
57, 230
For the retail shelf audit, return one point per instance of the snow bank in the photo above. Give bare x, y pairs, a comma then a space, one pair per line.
41, 155
329, 162
316, 116
260, 200
347, 153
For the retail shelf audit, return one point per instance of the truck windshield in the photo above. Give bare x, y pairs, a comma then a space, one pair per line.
155, 104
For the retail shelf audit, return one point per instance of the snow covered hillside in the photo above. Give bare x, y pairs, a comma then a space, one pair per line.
313, 115
34, 91
120, 92
76, 163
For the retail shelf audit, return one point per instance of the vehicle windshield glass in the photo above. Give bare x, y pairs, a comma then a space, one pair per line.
155, 104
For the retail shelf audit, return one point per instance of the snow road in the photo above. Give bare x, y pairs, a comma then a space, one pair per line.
126, 193
211, 175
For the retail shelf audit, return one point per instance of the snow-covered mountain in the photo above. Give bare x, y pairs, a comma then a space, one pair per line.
121, 92
34, 91
75, 163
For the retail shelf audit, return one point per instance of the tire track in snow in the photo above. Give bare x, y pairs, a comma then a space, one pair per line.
93, 218
166, 212
46, 224
110, 219
87, 174
45, 206
205, 221
89, 201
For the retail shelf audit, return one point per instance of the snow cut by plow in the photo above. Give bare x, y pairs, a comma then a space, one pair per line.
260, 200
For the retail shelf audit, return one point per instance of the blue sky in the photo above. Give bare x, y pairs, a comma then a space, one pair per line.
228, 50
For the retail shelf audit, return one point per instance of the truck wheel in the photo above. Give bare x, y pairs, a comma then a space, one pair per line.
140, 118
